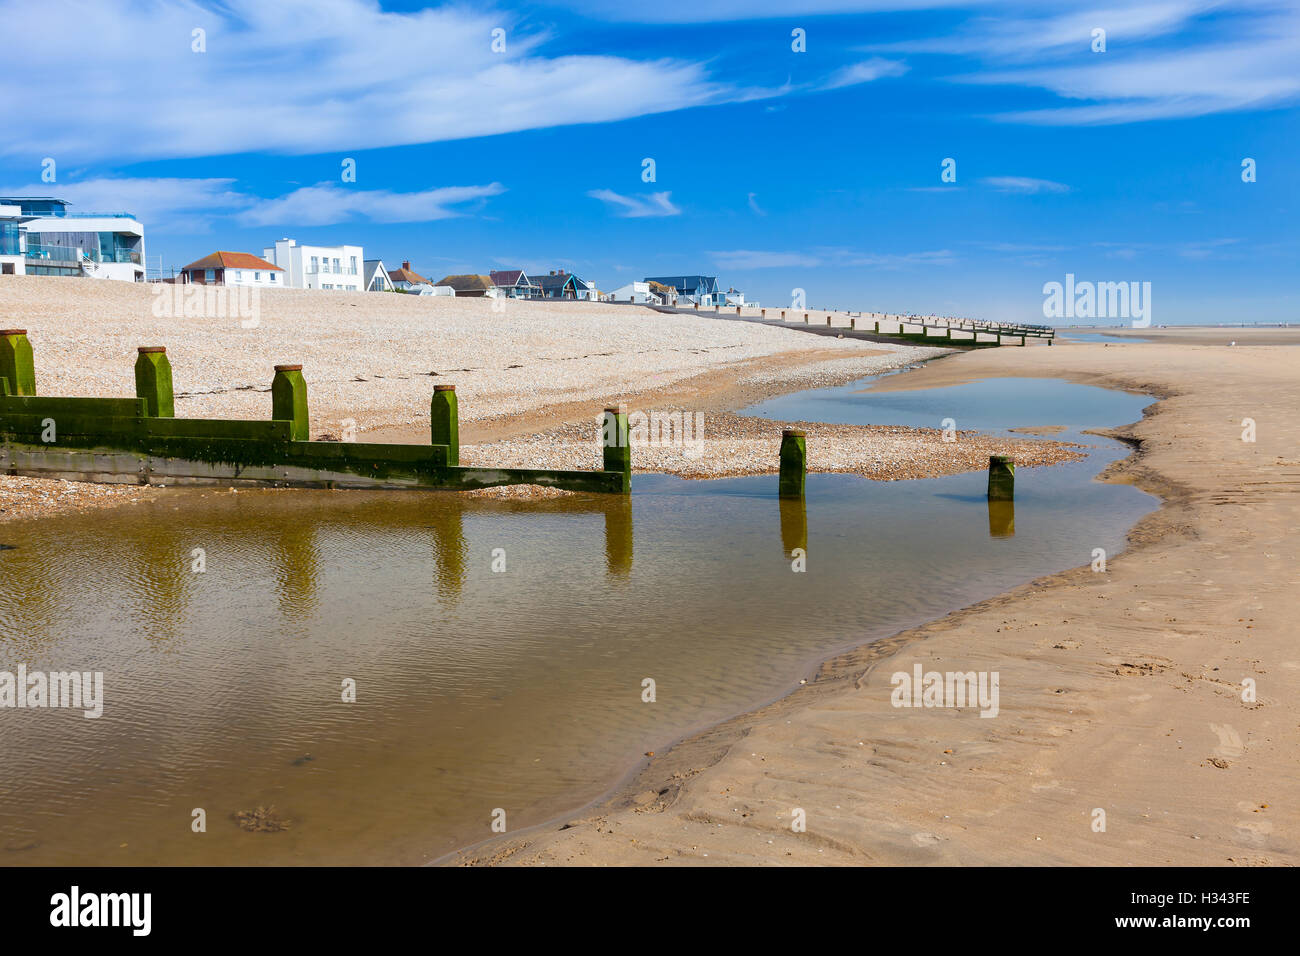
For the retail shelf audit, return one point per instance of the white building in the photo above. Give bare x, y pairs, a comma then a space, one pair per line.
45, 239
636, 292
318, 267
234, 268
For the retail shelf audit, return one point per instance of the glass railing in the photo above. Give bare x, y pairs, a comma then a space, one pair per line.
54, 253
74, 254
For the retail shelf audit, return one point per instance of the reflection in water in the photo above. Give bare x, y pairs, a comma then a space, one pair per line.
1002, 519
449, 541
297, 567
618, 535
794, 524
476, 690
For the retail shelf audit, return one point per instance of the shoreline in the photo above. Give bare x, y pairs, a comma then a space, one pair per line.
640, 820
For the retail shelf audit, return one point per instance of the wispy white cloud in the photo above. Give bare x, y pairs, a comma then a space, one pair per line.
635, 207
165, 204
754, 206
329, 203
162, 204
742, 259
303, 76
1163, 58
1024, 185
865, 72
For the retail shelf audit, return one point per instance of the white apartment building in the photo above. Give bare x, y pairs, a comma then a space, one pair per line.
45, 239
318, 267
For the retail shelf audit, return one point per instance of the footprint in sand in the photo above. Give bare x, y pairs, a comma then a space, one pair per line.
1230, 744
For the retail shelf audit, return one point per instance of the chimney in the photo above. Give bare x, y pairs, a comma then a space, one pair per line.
406, 264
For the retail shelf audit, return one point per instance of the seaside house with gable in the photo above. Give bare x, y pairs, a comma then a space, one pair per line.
376, 276
514, 283
470, 286
234, 268
697, 290
407, 279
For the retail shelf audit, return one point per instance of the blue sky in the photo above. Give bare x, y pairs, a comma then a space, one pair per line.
775, 169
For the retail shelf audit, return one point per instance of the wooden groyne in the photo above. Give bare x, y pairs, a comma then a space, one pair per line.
139, 440
881, 327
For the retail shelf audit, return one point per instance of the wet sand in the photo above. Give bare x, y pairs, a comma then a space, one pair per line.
1124, 736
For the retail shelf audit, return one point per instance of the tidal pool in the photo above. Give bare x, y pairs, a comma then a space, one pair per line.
476, 689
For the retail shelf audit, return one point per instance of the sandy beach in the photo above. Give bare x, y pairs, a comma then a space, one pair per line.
531, 378
1121, 691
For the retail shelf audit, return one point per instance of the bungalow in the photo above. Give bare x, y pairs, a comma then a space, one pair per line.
666, 293
406, 278
561, 285
636, 292
377, 277
234, 268
700, 290
514, 283
470, 285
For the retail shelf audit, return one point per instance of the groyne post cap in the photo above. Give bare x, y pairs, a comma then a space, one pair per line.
13, 331
444, 388
793, 432
288, 368
151, 349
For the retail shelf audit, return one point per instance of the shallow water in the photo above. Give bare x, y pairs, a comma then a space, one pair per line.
1098, 337
476, 690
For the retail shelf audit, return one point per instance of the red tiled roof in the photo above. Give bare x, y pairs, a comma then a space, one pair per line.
407, 275
232, 260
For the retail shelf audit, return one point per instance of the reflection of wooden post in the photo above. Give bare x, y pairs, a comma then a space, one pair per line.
289, 400
1002, 478
444, 421
794, 463
449, 539
17, 364
794, 525
1002, 519
618, 535
153, 381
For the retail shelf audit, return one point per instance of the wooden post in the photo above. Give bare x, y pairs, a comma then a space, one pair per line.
794, 463
1002, 478
444, 421
289, 400
17, 364
153, 381
616, 448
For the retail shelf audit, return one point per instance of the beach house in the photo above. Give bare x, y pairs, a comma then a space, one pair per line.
514, 283
318, 267
470, 285
234, 268
561, 285
46, 239
376, 276
407, 279
639, 292
697, 290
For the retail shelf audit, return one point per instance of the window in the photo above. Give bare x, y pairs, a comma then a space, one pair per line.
209, 275
272, 276
354, 265
336, 265
257, 277
315, 266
